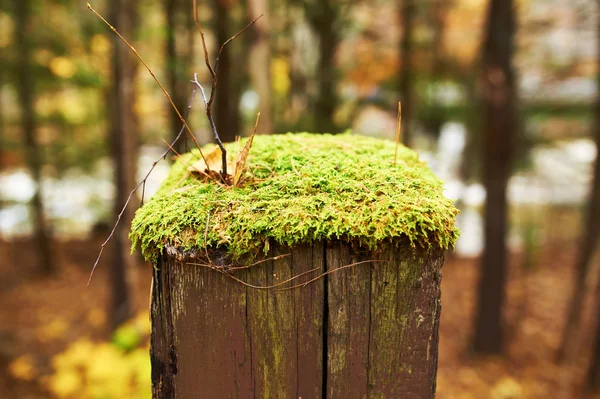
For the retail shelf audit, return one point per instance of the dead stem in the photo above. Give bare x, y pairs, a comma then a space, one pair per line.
398, 131
214, 75
143, 184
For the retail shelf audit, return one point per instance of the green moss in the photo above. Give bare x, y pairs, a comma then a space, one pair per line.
301, 188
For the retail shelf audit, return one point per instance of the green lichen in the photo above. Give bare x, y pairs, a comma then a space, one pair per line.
301, 188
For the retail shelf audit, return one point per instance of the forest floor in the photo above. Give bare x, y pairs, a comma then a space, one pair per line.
40, 317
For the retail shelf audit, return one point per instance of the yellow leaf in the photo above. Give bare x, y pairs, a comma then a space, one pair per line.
65, 383
213, 162
62, 67
240, 163
507, 388
22, 368
280, 76
100, 45
7, 27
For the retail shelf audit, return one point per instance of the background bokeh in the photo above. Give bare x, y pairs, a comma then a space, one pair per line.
82, 121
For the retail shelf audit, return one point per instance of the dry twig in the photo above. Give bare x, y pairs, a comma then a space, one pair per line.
181, 118
143, 185
214, 75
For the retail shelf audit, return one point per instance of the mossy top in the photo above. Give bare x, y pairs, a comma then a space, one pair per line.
301, 188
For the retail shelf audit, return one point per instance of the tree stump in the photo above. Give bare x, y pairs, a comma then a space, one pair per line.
317, 277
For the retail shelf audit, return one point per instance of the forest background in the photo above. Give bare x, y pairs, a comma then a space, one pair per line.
499, 97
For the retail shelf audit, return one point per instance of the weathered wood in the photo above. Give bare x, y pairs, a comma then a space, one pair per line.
286, 327
367, 331
405, 314
348, 328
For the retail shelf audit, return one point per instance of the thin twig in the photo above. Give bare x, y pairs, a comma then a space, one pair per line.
258, 262
181, 118
143, 184
328, 272
222, 270
187, 163
258, 287
398, 131
214, 75
206, 60
216, 68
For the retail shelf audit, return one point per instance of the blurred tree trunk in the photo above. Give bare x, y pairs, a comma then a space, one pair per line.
406, 78
500, 124
26, 92
323, 17
588, 244
231, 73
180, 56
2, 123
593, 374
436, 119
124, 133
260, 60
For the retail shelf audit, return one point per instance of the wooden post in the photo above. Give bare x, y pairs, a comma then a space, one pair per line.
357, 321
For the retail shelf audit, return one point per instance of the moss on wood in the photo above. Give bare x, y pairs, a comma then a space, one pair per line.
301, 188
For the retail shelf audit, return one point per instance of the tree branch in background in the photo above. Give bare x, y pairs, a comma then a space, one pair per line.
143, 185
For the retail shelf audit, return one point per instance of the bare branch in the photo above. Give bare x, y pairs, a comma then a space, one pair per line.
328, 272
206, 60
216, 68
213, 127
214, 75
143, 185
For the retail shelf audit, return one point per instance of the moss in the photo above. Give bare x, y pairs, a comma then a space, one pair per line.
301, 188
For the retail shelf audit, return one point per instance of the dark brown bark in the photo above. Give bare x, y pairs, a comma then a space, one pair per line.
593, 373
123, 136
367, 330
588, 245
230, 74
26, 92
500, 124
260, 63
180, 56
406, 79
323, 17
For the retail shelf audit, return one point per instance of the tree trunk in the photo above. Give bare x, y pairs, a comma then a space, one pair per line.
180, 56
500, 124
436, 118
26, 92
593, 373
227, 100
406, 80
124, 149
588, 244
368, 330
260, 64
323, 17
